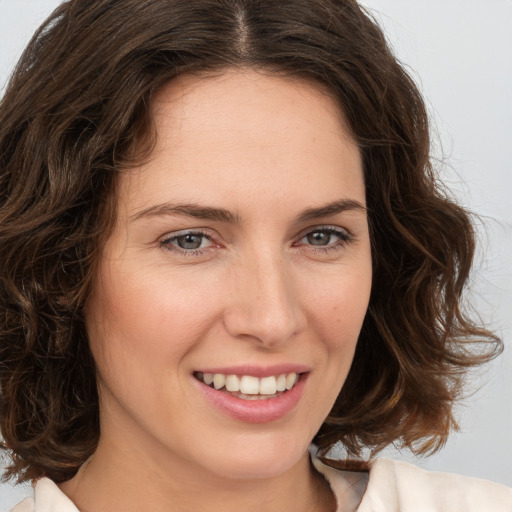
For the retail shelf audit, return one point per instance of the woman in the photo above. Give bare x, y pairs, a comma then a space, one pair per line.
222, 241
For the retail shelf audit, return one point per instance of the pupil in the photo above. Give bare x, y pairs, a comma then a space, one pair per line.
318, 238
189, 241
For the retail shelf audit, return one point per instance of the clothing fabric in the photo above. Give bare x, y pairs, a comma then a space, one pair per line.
395, 486
389, 486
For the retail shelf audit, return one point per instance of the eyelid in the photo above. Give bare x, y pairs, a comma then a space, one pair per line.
186, 231
166, 241
344, 235
342, 231
345, 238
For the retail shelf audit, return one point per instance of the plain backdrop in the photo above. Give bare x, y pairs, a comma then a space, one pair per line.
460, 54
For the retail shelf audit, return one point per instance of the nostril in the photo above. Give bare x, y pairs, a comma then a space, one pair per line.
267, 327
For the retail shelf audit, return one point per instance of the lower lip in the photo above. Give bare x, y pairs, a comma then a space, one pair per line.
254, 411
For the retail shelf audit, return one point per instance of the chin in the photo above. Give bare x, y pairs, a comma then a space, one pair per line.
251, 459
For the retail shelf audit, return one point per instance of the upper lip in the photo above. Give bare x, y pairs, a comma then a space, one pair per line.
257, 371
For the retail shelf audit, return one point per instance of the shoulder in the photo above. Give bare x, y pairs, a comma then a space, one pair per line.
390, 486
393, 486
47, 498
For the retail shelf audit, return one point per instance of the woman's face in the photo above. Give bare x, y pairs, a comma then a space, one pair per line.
241, 254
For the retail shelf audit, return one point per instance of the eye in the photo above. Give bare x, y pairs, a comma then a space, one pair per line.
188, 242
325, 238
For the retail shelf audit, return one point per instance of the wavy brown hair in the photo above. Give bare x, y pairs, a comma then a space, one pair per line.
76, 112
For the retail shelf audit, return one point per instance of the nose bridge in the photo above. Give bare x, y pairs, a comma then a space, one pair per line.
264, 305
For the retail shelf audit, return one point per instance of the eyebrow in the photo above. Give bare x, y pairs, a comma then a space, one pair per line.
189, 210
331, 209
223, 215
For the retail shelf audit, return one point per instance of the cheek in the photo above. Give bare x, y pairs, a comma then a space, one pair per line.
340, 306
135, 316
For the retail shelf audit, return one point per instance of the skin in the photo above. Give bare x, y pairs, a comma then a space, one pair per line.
258, 291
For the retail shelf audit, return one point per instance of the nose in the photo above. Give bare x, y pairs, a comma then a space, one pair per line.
264, 305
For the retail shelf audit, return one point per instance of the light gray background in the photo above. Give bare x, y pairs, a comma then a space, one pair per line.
460, 53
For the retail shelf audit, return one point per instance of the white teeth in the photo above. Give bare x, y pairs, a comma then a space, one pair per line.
219, 380
250, 385
268, 386
280, 382
232, 383
291, 378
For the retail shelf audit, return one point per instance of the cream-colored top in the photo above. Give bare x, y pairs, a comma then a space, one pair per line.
390, 486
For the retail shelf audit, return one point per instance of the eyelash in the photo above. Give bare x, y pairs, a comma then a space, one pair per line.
168, 245
344, 238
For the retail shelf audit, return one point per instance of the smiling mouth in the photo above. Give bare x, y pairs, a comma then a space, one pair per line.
248, 387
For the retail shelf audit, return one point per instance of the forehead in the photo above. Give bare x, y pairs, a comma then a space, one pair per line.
246, 133
235, 99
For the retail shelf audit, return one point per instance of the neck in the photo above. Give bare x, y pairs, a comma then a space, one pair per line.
122, 479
